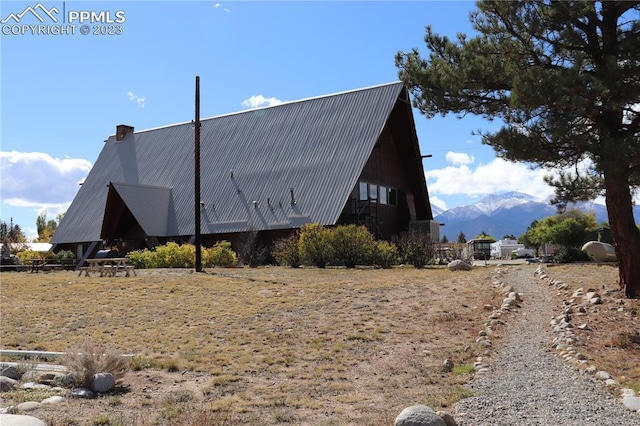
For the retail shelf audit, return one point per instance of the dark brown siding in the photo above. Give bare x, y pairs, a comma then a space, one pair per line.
395, 162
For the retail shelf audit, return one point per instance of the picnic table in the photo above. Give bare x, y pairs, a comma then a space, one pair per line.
37, 265
108, 267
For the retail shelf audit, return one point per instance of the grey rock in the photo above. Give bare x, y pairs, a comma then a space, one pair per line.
11, 372
510, 301
448, 418
70, 379
28, 406
82, 393
32, 385
459, 265
20, 420
56, 399
51, 378
7, 384
419, 415
632, 402
103, 382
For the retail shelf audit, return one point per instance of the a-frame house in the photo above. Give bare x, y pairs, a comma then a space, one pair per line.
350, 157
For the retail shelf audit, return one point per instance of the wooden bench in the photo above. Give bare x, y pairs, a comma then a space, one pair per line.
129, 269
17, 268
107, 267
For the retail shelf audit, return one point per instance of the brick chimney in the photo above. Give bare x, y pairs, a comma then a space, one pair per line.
122, 130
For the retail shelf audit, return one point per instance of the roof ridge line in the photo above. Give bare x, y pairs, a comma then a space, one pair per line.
344, 92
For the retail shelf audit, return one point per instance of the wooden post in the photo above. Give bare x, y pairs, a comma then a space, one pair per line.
198, 241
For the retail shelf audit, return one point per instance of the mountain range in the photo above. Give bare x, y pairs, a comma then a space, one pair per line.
510, 213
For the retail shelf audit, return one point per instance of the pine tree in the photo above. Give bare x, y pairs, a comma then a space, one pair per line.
564, 79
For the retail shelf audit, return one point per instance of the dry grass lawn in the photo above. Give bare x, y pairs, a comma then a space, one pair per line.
277, 345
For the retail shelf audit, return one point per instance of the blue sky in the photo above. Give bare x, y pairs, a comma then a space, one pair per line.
62, 95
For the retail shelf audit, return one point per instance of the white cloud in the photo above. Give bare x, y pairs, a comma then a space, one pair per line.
137, 99
37, 180
219, 6
437, 202
257, 101
459, 158
493, 178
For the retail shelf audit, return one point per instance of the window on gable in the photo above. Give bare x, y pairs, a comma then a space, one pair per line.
383, 192
373, 191
364, 191
393, 196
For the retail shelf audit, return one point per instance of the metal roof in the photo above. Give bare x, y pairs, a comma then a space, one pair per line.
268, 168
150, 206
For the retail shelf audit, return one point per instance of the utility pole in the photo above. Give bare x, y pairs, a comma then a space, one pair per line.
197, 179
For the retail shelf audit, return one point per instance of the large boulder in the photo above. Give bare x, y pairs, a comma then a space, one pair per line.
601, 252
20, 420
419, 415
459, 265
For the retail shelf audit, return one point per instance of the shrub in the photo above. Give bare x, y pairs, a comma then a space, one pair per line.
386, 254
220, 254
26, 255
65, 255
315, 245
143, 258
352, 245
416, 248
286, 251
570, 254
90, 359
172, 255
251, 251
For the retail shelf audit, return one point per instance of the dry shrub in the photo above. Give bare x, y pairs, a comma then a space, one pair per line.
91, 359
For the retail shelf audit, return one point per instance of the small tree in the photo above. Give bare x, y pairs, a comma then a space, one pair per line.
462, 239
532, 237
46, 228
568, 230
12, 231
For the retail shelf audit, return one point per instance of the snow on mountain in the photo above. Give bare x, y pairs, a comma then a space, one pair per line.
492, 203
510, 213
437, 211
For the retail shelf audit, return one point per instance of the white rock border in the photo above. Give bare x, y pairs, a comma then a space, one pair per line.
564, 342
511, 301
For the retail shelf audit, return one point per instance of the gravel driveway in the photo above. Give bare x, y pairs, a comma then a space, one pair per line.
527, 384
